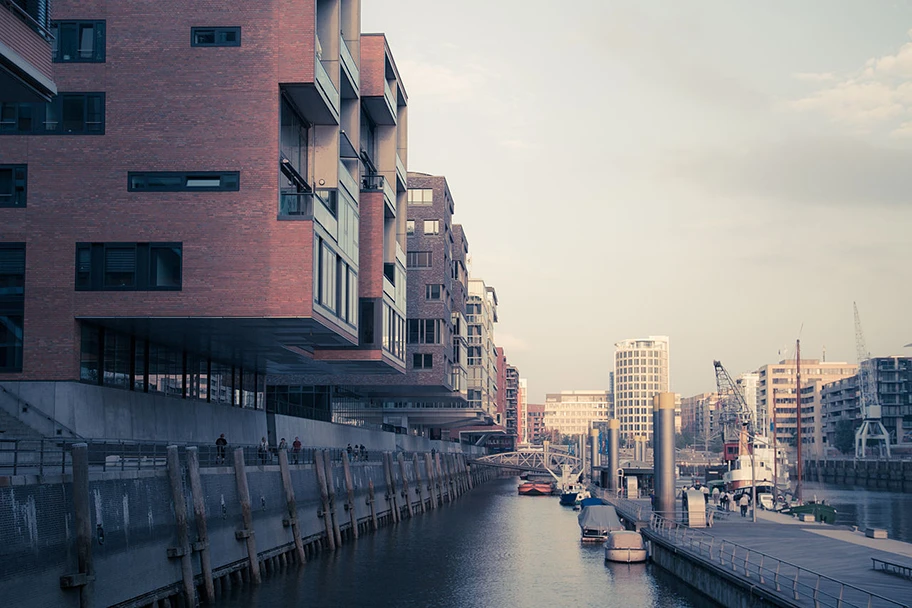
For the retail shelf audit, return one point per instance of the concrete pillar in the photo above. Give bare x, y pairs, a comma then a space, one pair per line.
320, 468
83, 520
593, 454
291, 505
663, 449
247, 534
614, 461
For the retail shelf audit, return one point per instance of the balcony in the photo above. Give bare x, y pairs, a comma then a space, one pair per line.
351, 81
303, 206
381, 109
347, 181
26, 70
401, 175
372, 182
318, 101
389, 280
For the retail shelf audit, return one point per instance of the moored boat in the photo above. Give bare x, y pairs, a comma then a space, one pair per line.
625, 546
596, 521
534, 488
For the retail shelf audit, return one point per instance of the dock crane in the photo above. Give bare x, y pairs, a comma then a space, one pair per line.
735, 415
871, 429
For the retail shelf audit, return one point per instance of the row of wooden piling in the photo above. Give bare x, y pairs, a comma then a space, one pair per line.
446, 477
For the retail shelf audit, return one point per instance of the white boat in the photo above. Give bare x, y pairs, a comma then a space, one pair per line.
761, 470
596, 521
625, 546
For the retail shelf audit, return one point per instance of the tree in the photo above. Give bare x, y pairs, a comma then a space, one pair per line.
845, 436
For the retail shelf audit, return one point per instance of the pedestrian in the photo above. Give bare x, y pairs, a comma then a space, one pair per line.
744, 502
705, 490
283, 445
221, 446
715, 496
652, 500
263, 450
362, 452
349, 449
295, 450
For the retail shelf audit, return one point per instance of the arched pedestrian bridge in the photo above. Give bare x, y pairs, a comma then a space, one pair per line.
547, 460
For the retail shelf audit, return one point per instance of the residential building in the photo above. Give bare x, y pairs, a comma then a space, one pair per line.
500, 401
522, 411
893, 379
29, 44
641, 368
573, 412
482, 360
535, 422
748, 383
700, 418
511, 396
677, 413
171, 256
777, 384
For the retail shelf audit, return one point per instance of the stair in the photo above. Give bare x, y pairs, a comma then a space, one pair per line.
13, 428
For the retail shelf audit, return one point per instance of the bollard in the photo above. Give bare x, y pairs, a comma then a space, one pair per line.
247, 534
370, 501
199, 515
350, 489
291, 505
405, 486
324, 496
182, 549
418, 482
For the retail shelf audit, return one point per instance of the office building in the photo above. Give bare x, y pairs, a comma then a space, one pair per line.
641, 368
573, 412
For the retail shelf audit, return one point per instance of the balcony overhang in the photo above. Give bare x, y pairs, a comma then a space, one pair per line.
20, 81
379, 109
360, 361
317, 101
272, 345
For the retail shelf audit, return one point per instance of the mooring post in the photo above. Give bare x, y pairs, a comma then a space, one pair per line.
247, 534
397, 510
432, 494
418, 482
199, 515
469, 473
451, 475
85, 575
350, 490
331, 489
370, 502
663, 464
324, 497
405, 486
182, 550
291, 505
441, 483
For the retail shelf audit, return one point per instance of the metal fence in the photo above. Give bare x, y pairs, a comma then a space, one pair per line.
801, 584
52, 456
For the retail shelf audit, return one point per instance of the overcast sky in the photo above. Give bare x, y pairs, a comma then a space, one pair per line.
727, 173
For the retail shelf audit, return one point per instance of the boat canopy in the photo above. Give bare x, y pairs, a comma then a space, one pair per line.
600, 517
592, 500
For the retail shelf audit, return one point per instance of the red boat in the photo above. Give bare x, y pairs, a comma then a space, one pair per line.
535, 488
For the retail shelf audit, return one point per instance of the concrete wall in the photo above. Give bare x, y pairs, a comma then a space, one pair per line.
133, 522
893, 475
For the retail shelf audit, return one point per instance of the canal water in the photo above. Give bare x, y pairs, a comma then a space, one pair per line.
491, 548
867, 508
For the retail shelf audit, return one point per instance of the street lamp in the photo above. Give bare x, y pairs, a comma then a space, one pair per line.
754, 441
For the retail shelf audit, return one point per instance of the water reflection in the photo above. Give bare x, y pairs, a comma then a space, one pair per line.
867, 508
494, 548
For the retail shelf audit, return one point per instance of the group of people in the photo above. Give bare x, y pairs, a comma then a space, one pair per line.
358, 452
728, 501
265, 452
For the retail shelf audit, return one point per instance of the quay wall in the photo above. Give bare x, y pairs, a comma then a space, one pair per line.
892, 475
715, 581
133, 523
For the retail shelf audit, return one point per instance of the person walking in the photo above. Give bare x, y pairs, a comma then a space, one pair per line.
295, 450
263, 450
221, 447
715, 496
744, 502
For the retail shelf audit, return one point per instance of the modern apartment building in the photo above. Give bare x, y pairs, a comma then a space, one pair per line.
641, 370
535, 422
777, 385
511, 397
573, 412
893, 379
29, 44
522, 411
700, 418
748, 383
186, 230
481, 315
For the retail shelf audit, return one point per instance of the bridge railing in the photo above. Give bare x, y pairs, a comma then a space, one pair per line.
801, 584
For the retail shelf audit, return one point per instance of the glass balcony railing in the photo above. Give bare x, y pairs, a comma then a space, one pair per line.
325, 84
347, 181
388, 97
348, 63
372, 181
390, 194
401, 173
321, 206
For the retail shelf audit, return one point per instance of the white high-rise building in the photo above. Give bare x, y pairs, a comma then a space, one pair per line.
749, 382
640, 371
573, 412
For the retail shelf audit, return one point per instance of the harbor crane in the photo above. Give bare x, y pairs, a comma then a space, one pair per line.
871, 429
736, 415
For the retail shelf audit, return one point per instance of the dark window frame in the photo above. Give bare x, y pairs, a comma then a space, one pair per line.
14, 115
217, 31
12, 304
92, 261
229, 181
17, 196
99, 41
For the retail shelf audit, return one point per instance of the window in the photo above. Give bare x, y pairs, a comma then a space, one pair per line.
169, 181
433, 291
425, 331
418, 259
420, 196
78, 41
12, 185
12, 305
432, 226
422, 361
215, 36
66, 114
474, 355
410, 227
129, 266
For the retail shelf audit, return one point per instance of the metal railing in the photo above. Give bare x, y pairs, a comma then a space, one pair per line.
800, 584
35, 14
52, 456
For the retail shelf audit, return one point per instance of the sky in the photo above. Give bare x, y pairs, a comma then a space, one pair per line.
731, 174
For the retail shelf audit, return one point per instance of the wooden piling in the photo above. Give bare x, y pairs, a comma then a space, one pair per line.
432, 494
405, 485
331, 489
440, 479
370, 502
390, 492
180, 519
418, 483
199, 515
247, 534
350, 491
83, 520
291, 505
320, 468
